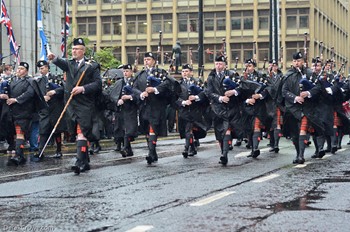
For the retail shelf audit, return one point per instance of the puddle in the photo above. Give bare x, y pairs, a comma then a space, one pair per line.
302, 203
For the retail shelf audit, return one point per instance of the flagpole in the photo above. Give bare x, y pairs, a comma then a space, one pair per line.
65, 29
36, 32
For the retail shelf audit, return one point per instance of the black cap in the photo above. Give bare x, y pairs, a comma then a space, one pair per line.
127, 66
220, 58
24, 64
273, 61
78, 41
297, 56
316, 60
150, 54
187, 66
41, 63
250, 61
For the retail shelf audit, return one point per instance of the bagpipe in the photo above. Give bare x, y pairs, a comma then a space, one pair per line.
305, 83
257, 83
54, 82
195, 87
4, 87
127, 89
229, 83
156, 77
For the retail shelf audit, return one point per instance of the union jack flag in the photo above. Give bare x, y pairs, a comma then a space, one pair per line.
5, 19
63, 41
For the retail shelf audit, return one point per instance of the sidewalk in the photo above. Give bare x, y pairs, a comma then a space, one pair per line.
105, 143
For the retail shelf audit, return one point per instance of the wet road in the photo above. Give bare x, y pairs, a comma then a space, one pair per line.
177, 194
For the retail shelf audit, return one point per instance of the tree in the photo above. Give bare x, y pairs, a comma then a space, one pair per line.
104, 57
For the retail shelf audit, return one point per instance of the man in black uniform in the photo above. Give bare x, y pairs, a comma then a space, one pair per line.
226, 105
156, 88
301, 97
274, 105
126, 99
20, 99
49, 116
190, 105
82, 107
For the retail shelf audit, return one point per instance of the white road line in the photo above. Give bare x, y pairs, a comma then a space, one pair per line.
243, 154
326, 156
26, 173
265, 149
343, 149
208, 200
302, 165
266, 178
141, 228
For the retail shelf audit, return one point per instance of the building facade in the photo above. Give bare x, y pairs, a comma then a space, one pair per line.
23, 18
244, 24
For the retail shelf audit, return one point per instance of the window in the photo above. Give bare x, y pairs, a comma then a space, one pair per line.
136, 24
162, 23
111, 25
214, 21
297, 18
86, 26
188, 22
241, 20
86, 2
248, 20
263, 19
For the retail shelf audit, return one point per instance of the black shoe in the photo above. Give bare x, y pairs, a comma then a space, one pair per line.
193, 151
328, 150
85, 167
339, 147
314, 156
333, 150
149, 159
57, 155
321, 154
196, 143
13, 161
130, 153
124, 152
230, 147
237, 144
248, 146
37, 158
185, 153
97, 149
223, 160
298, 161
76, 169
277, 149
255, 153
272, 149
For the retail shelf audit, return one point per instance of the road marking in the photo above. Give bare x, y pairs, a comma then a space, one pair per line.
208, 200
243, 154
26, 173
266, 178
302, 165
343, 149
141, 228
265, 149
326, 156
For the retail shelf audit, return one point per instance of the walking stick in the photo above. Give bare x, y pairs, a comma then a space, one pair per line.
64, 110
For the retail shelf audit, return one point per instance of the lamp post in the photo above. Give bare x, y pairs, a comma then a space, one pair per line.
200, 36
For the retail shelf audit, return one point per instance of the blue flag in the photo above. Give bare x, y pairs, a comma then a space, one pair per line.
43, 53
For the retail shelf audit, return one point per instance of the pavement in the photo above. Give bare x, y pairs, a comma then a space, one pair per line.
69, 147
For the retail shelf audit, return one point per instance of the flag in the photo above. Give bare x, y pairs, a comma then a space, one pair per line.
44, 44
63, 41
5, 19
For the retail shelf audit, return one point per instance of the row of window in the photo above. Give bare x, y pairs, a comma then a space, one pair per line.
188, 22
